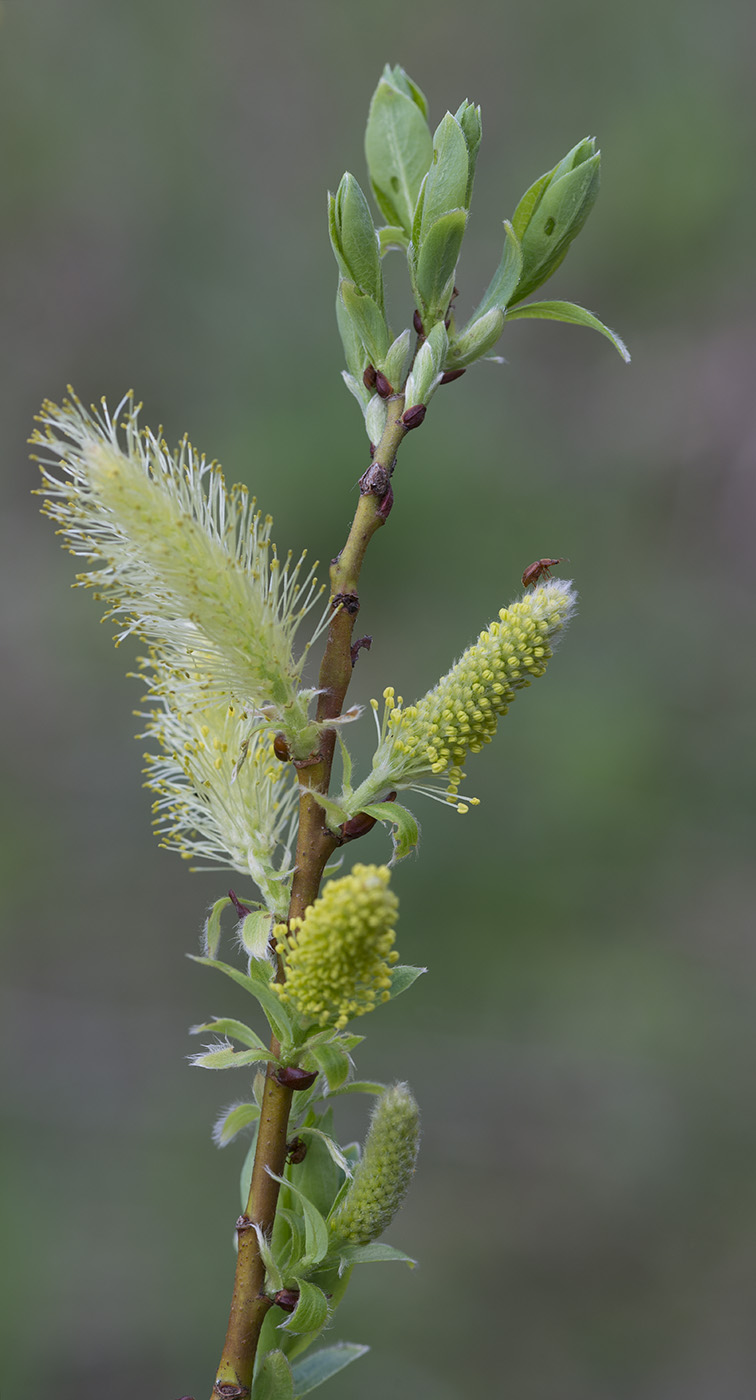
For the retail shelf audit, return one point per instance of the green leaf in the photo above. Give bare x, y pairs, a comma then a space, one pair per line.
237, 1030
437, 263
333, 1060
376, 1253
319, 1177
254, 932
403, 976
362, 1086
257, 983
354, 351
368, 320
212, 930
245, 1179
354, 239
311, 1312
397, 360
274, 1379
477, 338
335, 811
321, 1365
468, 117
406, 832
316, 1230
334, 1152
446, 186
346, 762
529, 203
504, 281
391, 238
226, 1058
426, 372
561, 209
567, 311
233, 1120
398, 146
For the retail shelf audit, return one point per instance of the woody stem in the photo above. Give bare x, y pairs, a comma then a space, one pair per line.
315, 844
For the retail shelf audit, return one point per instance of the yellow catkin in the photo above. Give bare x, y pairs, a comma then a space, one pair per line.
338, 956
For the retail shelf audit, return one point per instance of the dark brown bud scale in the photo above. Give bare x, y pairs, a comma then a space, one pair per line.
287, 1299
296, 1150
292, 1077
418, 323
449, 376
382, 386
281, 748
413, 417
368, 377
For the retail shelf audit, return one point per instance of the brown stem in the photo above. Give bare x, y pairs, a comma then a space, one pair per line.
315, 844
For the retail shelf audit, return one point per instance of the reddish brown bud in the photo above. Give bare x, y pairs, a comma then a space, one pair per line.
368, 377
418, 324
414, 416
382, 386
287, 1299
292, 1077
281, 748
450, 375
296, 1150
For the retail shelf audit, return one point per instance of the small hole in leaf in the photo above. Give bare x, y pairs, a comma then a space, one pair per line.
549, 226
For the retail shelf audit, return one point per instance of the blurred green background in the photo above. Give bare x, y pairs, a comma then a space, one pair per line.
585, 1206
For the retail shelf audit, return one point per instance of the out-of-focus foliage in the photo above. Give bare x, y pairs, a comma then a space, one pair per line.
164, 173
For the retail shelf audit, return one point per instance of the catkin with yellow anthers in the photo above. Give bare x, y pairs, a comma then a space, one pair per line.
460, 714
337, 958
382, 1178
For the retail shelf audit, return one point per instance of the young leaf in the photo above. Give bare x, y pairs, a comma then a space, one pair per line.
403, 976
375, 1253
368, 320
224, 1057
391, 238
232, 1121
237, 1030
212, 930
321, 1365
406, 832
477, 338
398, 146
274, 1380
311, 1312
254, 932
333, 1060
567, 311
446, 186
316, 1230
332, 1148
437, 262
257, 983
362, 1086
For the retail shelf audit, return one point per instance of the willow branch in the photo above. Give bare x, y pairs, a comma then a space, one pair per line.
315, 844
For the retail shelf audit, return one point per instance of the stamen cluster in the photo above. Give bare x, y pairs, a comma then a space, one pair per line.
338, 956
460, 714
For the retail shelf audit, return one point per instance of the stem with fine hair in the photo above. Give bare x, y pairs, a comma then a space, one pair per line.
315, 845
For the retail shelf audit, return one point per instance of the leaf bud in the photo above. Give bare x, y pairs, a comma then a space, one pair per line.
354, 239
477, 338
398, 145
447, 180
552, 212
468, 117
428, 367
